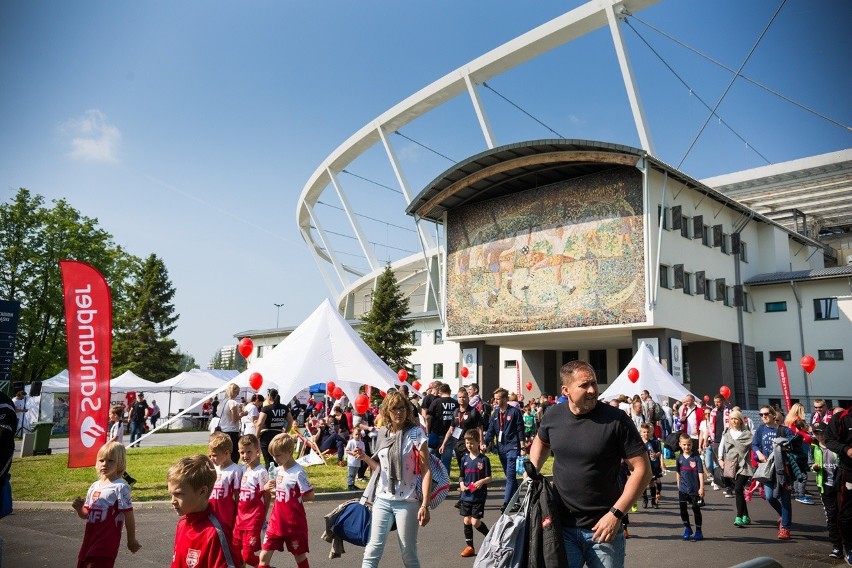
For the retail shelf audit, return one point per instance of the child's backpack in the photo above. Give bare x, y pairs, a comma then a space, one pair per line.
440, 479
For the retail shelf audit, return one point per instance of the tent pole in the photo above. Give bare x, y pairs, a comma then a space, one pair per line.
169, 425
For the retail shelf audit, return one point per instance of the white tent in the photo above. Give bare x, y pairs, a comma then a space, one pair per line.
653, 377
323, 348
129, 381
198, 380
56, 383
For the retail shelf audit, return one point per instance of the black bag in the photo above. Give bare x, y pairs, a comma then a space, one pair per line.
672, 441
544, 531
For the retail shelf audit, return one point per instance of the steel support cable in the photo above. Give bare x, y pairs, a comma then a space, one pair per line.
693, 93
758, 84
731, 83
424, 146
371, 181
344, 235
320, 202
493, 90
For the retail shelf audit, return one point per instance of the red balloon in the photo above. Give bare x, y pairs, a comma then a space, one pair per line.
725, 391
706, 398
464, 372
338, 392
361, 404
808, 364
329, 387
403, 375
256, 381
633, 374
416, 385
529, 385
245, 347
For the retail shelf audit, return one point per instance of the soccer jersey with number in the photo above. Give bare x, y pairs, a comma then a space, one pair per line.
223, 498
251, 511
288, 512
107, 504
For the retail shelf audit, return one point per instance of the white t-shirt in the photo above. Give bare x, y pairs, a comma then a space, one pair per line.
351, 446
226, 423
249, 419
413, 440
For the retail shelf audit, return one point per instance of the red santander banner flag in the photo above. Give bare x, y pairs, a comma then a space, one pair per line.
88, 325
785, 382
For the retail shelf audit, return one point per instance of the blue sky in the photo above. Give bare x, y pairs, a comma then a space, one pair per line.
190, 128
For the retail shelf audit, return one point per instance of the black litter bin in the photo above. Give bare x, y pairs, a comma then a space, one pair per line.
41, 433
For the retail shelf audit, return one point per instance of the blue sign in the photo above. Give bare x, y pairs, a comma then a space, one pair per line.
9, 313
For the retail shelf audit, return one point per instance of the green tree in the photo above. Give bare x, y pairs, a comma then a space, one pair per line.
142, 341
33, 238
186, 362
385, 329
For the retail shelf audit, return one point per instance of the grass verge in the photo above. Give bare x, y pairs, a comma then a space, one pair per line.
47, 478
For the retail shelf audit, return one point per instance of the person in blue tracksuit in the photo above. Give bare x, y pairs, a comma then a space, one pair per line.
507, 428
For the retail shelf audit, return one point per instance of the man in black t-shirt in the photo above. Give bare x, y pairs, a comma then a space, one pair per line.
465, 418
438, 420
138, 414
589, 440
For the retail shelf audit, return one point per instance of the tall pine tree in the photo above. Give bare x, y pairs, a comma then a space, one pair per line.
142, 342
385, 329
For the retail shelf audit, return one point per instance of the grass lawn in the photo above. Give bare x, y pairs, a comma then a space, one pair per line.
47, 478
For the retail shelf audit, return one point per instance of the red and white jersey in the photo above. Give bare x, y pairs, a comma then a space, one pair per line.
251, 511
225, 493
288, 513
199, 545
107, 503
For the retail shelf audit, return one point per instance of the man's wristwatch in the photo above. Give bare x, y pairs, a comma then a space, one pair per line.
424, 507
616, 513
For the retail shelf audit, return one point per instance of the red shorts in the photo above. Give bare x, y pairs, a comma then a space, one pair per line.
247, 541
296, 543
96, 562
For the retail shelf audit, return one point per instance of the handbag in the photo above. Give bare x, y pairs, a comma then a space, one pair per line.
718, 476
505, 545
730, 469
353, 521
440, 480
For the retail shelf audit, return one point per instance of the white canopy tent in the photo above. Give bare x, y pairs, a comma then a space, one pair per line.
129, 381
190, 387
653, 377
323, 348
56, 383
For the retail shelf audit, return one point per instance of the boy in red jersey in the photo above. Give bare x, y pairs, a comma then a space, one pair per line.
200, 539
254, 501
226, 490
106, 508
288, 524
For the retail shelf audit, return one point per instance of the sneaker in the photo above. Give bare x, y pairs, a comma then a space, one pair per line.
836, 553
698, 535
467, 552
738, 522
746, 520
805, 499
714, 486
783, 534
656, 504
687, 532
849, 558
728, 494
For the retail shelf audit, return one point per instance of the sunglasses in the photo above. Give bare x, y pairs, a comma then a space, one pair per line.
819, 407
765, 414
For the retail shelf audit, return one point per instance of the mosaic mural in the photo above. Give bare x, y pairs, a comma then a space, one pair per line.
561, 256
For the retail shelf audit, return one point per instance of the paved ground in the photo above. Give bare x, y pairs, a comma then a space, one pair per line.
37, 537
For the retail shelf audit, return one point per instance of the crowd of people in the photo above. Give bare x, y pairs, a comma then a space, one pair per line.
608, 457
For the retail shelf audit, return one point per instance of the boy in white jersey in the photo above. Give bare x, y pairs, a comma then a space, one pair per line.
288, 524
254, 501
106, 508
226, 490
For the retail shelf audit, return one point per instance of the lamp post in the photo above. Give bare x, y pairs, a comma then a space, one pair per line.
277, 313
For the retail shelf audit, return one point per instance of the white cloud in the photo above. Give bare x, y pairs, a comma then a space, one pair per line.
92, 138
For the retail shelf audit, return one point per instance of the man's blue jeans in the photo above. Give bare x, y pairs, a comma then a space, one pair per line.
136, 431
779, 499
508, 460
583, 551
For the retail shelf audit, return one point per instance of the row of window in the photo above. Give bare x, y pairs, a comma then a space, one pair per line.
824, 308
437, 337
822, 355
713, 290
694, 228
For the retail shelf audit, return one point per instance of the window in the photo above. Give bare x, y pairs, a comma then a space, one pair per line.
437, 370
783, 355
416, 371
664, 276
746, 302
706, 236
259, 351
724, 244
368, 302
825, 309
597, 359
743, 250
684, 226
708, 292
830, 354
664, 211
687, 283
729, 293
439, 337
776, 307
416, 337
510, 364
